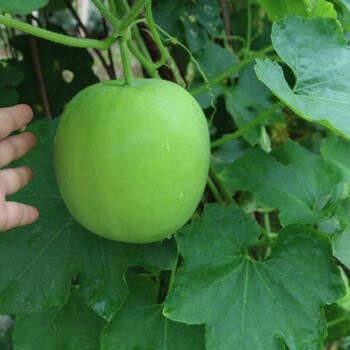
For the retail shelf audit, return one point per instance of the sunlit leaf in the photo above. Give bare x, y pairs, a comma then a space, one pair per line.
319, 56
220, 285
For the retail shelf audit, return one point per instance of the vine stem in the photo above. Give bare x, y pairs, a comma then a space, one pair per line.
56, 37
126, 62
173, 270
338, 320
112, 7
248, 126
215, 191
155, 35
227, 73
106, 13
132, 14
221, 185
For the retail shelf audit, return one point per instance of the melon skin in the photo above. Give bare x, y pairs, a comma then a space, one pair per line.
132, 160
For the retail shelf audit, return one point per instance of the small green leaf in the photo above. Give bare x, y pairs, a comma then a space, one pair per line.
277, 10
212, 59
190, 21
306, 8
338, 151
249, 304
22, 7
139, 324
341, 247
321, 8
71, 327
306, 190
319, 56
227, 153
247, 100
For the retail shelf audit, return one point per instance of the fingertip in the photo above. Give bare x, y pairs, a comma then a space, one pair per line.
35, 214
26, 110
30, 217
31, 138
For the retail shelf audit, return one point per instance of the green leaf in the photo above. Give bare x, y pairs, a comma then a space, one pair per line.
247, 100
344, 13
73, 326
212, 59
208, 14
39, 261
22, 7
249, 304
341, 246
338, 150
344, 302
338, 321
57, 5
306, 8
345, 3
227, 153
318, 55
10, 77
321, 8
306, 190
190, 21
277, 10
139, 324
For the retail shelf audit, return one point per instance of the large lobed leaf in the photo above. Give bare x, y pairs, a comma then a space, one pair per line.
139, 324
319, 56
39, 261
249, 304
71, 327
306, 188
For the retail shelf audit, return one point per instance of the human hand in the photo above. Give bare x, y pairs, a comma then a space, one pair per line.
13, 214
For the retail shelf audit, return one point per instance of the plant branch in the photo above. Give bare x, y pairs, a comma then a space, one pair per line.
109, 68
338, 320
227, 73
56, 37
215, 191
142, 59
221, 185
248, 126
156, 36
107, 14
132, 14
126, 62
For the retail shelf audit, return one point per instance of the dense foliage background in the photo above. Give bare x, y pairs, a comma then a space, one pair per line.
264, 264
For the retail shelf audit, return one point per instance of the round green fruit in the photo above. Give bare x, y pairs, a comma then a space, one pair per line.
132, 160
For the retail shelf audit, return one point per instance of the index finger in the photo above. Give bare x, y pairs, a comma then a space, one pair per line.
14, 118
